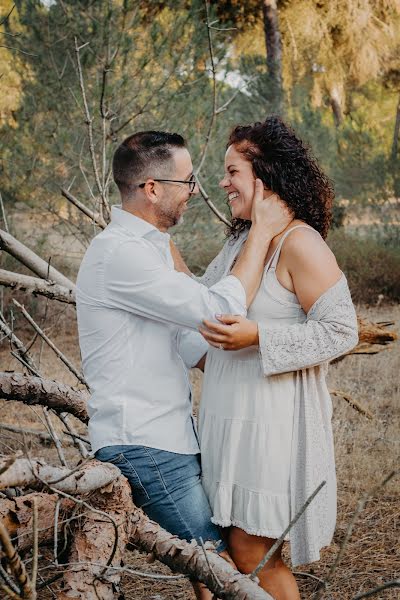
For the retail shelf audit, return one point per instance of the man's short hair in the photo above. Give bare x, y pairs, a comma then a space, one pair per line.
142, 155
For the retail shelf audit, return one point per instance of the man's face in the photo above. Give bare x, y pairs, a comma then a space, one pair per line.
175, 196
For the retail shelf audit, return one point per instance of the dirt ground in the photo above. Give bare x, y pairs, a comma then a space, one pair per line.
366, 451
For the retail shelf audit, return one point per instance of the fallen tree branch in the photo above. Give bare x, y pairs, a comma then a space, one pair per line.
83, 208
36, 286
22, 351
373, 338
280, 540
353, 403
43, 435
46, 392
380, 588
189, 559
86, 478
32, 261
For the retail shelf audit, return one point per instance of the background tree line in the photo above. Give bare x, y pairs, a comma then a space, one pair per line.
331, 69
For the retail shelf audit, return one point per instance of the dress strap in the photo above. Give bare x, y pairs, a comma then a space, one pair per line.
273, 261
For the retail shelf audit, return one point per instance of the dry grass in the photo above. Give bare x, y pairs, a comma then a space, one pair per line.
365, 452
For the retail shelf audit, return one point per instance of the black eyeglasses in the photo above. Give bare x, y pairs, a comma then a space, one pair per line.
190, 182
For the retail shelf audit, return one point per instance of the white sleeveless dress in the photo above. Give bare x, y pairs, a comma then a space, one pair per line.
246, 422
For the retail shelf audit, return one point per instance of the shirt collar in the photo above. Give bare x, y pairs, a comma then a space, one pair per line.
139, 227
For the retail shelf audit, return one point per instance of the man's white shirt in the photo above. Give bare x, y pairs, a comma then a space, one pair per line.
137, 321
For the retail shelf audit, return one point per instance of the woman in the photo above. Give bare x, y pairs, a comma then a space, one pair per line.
265, 413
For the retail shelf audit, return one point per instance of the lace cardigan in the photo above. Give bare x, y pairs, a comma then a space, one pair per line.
329, 331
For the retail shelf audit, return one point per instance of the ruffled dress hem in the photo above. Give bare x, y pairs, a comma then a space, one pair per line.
274, 535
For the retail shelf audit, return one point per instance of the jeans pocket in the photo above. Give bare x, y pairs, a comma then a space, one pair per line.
139, 492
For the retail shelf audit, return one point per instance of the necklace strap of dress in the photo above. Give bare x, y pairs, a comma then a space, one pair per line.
273, 261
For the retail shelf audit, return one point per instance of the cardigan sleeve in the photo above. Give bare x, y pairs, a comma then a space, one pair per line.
329, 331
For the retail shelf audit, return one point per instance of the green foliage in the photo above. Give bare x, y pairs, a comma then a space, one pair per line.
147, 65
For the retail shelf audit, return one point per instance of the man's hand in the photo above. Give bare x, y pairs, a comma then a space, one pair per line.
231, 333
271, 213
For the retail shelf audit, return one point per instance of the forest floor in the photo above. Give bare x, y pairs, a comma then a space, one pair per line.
366, 451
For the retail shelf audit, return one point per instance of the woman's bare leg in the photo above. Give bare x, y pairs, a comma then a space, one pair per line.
275, 578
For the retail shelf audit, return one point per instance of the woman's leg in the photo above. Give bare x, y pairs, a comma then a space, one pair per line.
275, 578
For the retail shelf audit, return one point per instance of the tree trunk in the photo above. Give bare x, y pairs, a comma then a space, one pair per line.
336, 105
395, 161
396, 133
35, 390
274, 52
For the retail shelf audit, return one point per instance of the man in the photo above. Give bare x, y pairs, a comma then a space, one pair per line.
138, 320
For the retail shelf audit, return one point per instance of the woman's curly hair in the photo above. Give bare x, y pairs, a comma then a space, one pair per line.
286, 166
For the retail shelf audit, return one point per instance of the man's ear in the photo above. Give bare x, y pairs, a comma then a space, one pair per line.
150, 191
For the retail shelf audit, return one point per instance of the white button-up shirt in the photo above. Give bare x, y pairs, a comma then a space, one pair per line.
138, 320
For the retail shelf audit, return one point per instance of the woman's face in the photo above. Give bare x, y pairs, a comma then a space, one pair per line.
238, 182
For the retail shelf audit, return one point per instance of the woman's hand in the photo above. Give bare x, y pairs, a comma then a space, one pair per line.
231, 333
270, 213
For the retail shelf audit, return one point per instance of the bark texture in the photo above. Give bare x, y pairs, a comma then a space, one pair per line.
94, 544
16, 516
37, 287
27, 472
189, 559
35, 390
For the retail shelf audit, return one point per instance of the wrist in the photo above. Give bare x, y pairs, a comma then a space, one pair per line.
260, 233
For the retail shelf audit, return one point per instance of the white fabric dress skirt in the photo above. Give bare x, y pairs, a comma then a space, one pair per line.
246, 425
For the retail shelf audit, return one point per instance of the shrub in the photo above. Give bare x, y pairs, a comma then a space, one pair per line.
371, 264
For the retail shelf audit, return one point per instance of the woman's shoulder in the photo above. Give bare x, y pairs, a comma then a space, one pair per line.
307, 246
302, 237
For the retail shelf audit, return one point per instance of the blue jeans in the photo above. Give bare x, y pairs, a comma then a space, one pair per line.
167, 487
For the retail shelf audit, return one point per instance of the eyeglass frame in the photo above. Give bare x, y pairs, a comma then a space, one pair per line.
191, 182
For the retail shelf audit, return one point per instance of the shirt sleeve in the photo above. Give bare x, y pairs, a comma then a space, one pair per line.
191, 347
137, 279
329, 331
